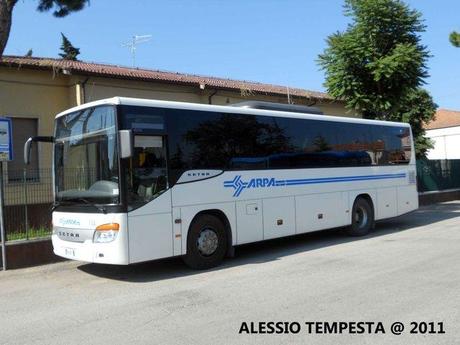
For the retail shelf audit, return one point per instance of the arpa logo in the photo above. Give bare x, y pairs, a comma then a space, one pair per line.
239, 185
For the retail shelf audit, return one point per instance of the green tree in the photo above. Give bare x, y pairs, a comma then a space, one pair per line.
378, 65
454, 38
60, 8
29, 53
69, 52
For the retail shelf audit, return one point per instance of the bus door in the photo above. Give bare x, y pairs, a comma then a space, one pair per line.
149, 221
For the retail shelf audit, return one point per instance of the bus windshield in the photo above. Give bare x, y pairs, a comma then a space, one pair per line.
86, 157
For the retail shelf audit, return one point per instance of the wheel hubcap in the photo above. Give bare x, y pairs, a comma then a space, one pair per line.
207, 242
361, 217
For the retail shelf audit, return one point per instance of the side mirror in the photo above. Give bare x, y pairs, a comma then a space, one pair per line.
126, 143
28, 144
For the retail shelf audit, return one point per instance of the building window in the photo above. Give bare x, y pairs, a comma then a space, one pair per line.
23, 129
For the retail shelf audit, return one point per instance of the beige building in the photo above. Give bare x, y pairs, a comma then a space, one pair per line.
33, 90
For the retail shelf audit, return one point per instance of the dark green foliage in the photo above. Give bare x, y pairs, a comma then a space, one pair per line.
378, 64
455, 39
61, 7
69, 51
29, 53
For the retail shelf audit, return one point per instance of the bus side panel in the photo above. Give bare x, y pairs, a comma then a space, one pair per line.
279, 217
387, 203
150, 230
407, 199
249, 222
321, 211
150, 237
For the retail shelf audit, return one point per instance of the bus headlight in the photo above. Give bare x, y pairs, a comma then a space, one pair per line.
106, 233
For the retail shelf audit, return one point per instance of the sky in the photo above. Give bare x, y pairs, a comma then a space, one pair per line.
268, 41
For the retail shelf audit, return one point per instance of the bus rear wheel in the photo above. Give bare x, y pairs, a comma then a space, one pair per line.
206, 242
362, 217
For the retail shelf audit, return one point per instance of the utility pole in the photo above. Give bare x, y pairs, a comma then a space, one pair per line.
2, 223
6, 154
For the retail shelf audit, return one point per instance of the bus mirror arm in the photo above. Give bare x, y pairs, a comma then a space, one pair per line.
126, 143
29, 142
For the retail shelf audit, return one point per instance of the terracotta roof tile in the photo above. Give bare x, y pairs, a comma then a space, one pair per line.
106, 70
445, 118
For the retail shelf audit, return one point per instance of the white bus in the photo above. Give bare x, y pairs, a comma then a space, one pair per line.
138, 180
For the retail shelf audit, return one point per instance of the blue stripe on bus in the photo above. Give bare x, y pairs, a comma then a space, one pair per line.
344, 179
239, 185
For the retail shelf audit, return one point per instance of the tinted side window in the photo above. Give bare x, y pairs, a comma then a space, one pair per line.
393, 145
355, 144
300, 143
206, 140
193, 141
272, 148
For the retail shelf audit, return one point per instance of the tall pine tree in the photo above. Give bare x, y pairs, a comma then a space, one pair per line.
378, 65
69, 52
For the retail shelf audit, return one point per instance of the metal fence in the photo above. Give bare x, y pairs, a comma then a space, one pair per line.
436, 175
28, 198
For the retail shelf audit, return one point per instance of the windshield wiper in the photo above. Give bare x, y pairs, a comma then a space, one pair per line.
87, 202
100, 208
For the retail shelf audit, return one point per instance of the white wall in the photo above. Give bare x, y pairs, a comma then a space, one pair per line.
446, 143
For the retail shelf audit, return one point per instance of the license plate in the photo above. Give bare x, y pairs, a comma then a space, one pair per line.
69, 251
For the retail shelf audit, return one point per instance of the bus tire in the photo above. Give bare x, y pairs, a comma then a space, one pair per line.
206, 242
362, 217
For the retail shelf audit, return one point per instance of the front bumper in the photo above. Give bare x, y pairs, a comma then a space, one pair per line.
66, 246
103, 253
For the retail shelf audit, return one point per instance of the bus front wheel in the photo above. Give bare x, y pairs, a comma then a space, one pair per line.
206, 242
362, 217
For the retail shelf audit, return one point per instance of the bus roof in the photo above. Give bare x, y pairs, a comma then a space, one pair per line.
224, 108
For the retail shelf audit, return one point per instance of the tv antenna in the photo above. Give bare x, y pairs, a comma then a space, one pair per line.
132, 44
